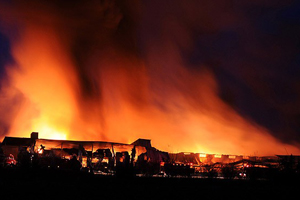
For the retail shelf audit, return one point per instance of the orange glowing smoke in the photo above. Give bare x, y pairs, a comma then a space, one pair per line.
42, 76
116, 96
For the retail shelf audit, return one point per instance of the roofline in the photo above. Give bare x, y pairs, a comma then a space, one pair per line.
14, 138
80, 141
71, 141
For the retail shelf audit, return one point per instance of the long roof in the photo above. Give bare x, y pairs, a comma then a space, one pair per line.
17, 141
58, 144
75, 144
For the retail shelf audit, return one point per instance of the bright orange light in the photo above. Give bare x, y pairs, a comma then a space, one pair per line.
202, 155
117, 96
48, 132
40, 151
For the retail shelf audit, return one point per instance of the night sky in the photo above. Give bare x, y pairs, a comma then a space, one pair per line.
252, 48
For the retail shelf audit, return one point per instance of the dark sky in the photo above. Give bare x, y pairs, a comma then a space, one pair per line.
253, 48
5, 56
258, 68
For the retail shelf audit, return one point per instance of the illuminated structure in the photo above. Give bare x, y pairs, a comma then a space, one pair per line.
66, 148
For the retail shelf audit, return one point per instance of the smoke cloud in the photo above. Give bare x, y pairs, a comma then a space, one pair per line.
191, 76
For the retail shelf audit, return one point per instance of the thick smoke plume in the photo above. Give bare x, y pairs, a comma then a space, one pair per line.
122, 70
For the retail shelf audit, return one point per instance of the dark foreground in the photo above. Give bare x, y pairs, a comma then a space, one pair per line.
48, 184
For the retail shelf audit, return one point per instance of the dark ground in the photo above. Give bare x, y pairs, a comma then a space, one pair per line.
48, 184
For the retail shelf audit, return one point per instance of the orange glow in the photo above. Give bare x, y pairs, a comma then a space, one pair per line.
49, 132
48, 104
40, 151
202, 155
115, 95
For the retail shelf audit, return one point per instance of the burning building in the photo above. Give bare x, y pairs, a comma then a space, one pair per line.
139, 157
85, 151
100, 70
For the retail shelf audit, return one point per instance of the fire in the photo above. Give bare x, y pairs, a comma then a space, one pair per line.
48, 132
48, 103
79, 81
202, 155
40, 151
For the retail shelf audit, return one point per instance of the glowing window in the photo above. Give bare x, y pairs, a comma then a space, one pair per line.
218, 156
231, 157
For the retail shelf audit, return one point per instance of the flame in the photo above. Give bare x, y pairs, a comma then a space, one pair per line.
48, 132
48, 103
99, 91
